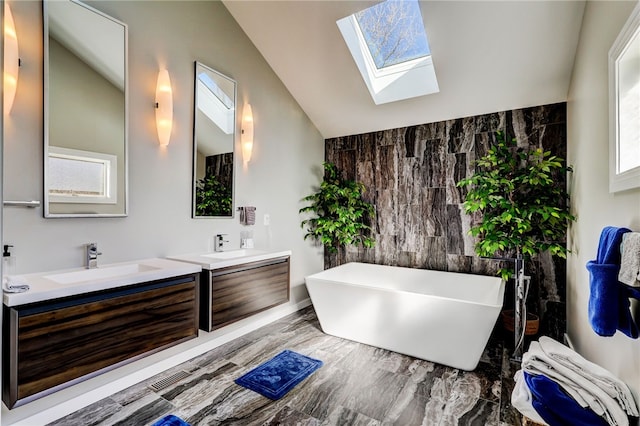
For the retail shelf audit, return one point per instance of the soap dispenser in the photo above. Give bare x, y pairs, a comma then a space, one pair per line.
7, 260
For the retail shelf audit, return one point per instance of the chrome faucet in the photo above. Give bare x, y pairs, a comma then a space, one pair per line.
219, 242
92, 254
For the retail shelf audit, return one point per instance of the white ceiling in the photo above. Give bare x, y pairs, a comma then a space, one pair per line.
488, 55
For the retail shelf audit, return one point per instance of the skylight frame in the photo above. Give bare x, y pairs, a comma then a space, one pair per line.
392, 83
214, 107
215, 90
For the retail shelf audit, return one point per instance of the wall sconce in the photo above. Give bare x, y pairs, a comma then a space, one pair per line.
164, 107
11, 59
246, 135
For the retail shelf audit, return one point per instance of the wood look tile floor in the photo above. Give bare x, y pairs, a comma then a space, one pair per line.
357, 385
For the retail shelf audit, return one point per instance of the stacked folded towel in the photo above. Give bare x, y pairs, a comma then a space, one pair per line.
522, 399
563, 388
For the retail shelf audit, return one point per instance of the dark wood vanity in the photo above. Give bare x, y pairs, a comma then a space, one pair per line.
56, 343
235, 292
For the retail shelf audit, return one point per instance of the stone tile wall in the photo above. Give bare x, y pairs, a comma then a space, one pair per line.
411, 174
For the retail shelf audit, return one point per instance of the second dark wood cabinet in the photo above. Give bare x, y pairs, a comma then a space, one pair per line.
236, 292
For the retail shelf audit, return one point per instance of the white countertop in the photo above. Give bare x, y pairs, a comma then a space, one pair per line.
70, 282
217, 260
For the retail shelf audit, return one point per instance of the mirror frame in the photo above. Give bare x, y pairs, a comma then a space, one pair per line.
46, 99
630, 34
195, 149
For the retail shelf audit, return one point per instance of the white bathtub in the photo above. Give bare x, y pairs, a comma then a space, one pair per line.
443, 317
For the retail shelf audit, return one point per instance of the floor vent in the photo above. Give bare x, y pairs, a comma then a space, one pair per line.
168, 381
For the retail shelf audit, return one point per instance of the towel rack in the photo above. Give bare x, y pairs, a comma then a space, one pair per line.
29, 204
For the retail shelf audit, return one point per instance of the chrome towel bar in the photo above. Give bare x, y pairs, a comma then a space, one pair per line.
30, 204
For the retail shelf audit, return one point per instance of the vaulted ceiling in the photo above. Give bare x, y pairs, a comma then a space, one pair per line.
488, 55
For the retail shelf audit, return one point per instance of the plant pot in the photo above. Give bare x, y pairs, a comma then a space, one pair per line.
531, 328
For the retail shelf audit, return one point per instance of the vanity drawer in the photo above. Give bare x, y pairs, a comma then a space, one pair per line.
49, 346
240, 291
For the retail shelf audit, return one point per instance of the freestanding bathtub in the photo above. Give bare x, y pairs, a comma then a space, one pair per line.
444, 317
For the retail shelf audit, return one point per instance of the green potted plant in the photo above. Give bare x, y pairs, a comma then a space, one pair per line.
523, 211
341, 216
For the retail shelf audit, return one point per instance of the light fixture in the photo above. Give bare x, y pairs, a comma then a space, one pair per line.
246, 136
164, 107
11, 59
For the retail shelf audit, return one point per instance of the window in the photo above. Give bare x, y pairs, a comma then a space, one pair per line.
77, 176
393, 32
389, 44
624, 107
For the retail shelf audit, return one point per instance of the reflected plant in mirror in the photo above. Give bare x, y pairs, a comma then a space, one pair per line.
213, 143
213, 198
85, 137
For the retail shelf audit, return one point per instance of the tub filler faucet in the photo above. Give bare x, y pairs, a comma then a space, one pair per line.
92, 254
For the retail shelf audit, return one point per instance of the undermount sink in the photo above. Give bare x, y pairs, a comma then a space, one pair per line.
100, 273
62, 283
223, 259
230, 254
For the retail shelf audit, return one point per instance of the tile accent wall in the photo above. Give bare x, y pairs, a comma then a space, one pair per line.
410, 175
221, 165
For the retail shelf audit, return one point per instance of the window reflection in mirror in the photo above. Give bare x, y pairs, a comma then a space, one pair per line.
85, 111
213, 143
82, 177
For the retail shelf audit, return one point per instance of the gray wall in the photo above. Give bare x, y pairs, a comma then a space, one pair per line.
411, 174
287, 153
588, 136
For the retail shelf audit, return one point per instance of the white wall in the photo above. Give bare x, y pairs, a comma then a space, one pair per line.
595, 207
287, 157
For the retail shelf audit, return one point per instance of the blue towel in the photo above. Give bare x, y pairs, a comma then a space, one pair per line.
609, 246
556, 407
171, 420
609, 299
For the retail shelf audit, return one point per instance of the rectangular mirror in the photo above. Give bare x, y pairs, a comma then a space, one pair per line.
624, 106
85, 113
214, 132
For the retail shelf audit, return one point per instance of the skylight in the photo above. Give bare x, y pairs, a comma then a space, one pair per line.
389, 44
394, 32
216, 105
216, 90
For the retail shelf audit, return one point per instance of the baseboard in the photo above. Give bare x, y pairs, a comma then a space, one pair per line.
73, 398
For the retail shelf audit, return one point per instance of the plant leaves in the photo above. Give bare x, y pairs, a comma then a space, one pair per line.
521, 207
342, 215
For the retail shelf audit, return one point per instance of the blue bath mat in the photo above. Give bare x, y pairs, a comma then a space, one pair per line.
171, 420
280, 374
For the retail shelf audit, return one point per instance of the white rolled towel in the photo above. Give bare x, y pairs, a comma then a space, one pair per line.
13, 284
